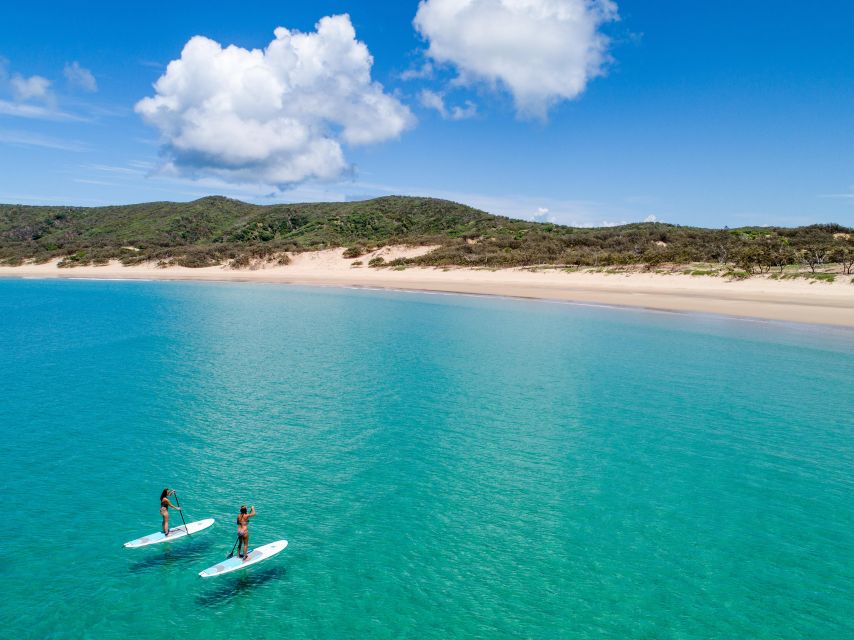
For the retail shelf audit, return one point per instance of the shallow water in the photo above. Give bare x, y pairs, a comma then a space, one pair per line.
442, 466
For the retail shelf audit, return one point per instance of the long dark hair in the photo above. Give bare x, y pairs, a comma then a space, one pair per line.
165, 493
243, 509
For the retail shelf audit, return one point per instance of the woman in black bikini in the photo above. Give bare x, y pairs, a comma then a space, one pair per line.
243, 531
165, 505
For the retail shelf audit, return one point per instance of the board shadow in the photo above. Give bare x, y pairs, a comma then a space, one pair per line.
231, 587
171, 556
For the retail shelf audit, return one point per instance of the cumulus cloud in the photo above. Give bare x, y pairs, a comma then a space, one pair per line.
651, 218
277, 116
31, 97
80, 77
543, 214
436, 101
32, 88
542, 51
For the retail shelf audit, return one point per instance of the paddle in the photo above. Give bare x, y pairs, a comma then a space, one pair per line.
181, 511
231, 554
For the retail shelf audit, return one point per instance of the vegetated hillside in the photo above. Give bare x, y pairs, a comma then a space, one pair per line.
215, 230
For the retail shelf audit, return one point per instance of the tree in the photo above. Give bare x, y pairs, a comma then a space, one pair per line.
764, 258
747, 259
780, 254
722, 245
814, 256
845, 256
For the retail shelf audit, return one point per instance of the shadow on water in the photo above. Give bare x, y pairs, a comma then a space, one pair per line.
230, 587
171, 555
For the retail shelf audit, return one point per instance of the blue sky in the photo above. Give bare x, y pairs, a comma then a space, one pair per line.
726, 113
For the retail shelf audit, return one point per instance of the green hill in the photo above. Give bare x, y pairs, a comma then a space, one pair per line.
214, 230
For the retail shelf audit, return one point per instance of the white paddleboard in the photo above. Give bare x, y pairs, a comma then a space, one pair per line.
174, 534
255, 556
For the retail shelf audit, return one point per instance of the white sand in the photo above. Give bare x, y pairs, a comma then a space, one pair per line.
797, 300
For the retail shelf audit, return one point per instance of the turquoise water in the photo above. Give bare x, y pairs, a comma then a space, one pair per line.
443, 466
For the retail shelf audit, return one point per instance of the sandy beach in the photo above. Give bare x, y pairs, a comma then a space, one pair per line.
795, 300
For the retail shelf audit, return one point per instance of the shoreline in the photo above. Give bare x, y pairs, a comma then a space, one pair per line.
801, 301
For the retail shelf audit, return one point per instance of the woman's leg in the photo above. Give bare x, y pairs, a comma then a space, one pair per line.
246, 546
166, 523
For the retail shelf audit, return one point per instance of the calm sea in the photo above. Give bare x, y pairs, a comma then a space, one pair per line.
442, 466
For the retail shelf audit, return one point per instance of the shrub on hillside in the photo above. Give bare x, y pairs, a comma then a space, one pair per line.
240, 262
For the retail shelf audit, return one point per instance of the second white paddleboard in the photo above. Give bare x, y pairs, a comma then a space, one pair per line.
255, 556
174, 534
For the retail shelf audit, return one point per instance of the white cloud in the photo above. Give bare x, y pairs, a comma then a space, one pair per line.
33, 97
433, 100
276, 116
651, 219
80, 77
425, 71
32, 88
543, 215
542, 51
603, 223
464, 113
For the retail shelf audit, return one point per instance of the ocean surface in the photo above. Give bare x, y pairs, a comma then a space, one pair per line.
442, 466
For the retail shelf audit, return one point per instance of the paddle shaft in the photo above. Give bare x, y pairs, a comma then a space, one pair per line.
181, 511
234, 547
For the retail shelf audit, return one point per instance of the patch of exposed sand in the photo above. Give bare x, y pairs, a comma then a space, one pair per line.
333, 260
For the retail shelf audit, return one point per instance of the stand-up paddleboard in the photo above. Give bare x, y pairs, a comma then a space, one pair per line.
255, 556
174, 534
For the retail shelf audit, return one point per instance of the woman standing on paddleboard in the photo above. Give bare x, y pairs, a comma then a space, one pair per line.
243, 531
164, 508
